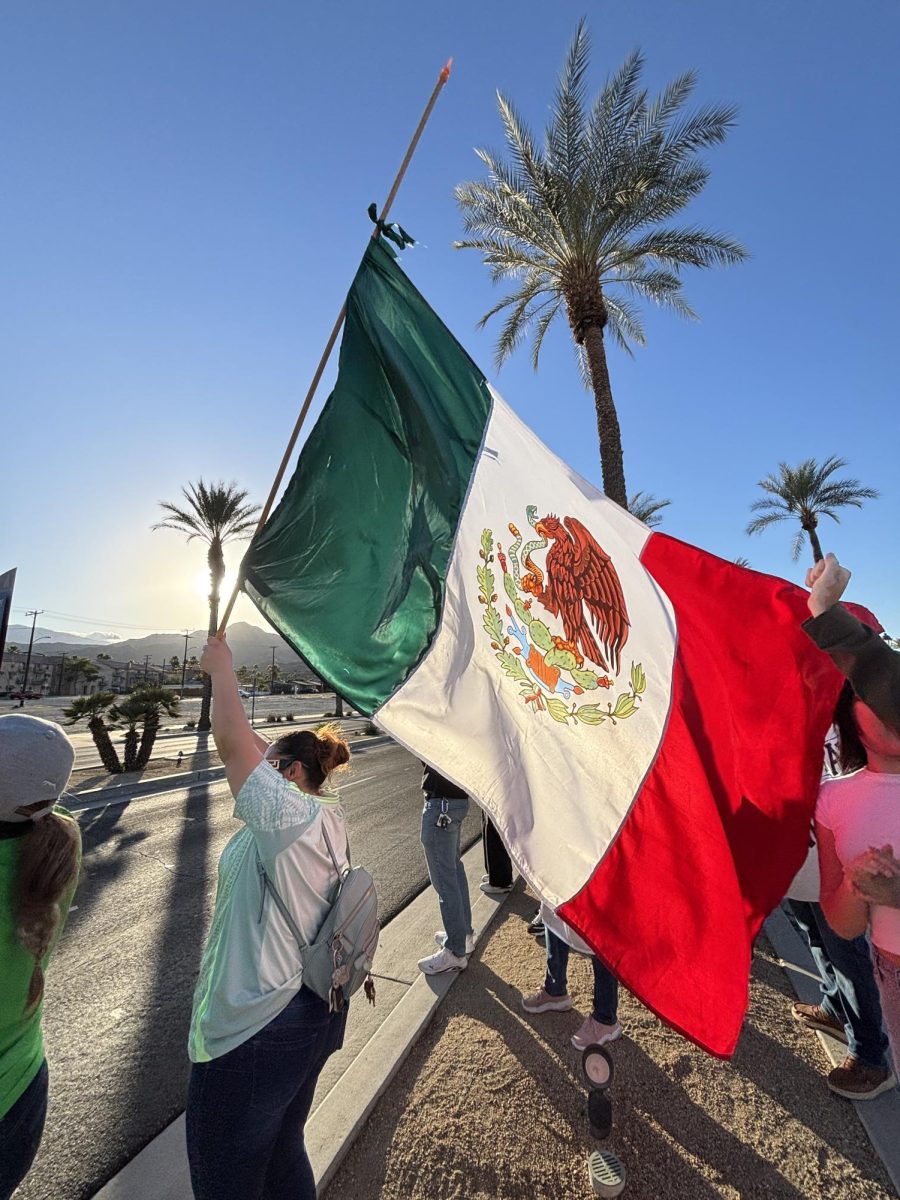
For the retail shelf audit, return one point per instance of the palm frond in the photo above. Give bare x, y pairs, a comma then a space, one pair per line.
215, 512
682, 247
566, 131
647, 508
760, 523
542, 324
624, 322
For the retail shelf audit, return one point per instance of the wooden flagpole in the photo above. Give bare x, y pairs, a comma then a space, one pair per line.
329, 346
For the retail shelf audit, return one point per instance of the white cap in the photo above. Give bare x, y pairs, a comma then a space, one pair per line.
36, 759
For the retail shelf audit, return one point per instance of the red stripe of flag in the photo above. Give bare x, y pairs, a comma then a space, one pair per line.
721, 824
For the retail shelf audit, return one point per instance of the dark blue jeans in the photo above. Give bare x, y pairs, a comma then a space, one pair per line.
20, 1133
606, 986
246, 1110
849, 990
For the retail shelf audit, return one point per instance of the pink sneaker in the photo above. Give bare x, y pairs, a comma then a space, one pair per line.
542, 1002
592, 1033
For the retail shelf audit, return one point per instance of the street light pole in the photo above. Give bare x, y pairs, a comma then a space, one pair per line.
187, 634
253, 700
35, 613
272, 684
62, 674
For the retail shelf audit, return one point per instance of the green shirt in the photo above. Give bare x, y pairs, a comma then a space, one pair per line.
21, 1040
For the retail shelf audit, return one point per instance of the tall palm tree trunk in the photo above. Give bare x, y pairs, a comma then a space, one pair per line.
612, 459
105, 748
216, 561
814, 542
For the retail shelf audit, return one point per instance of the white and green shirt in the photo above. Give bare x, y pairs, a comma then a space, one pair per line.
251, 966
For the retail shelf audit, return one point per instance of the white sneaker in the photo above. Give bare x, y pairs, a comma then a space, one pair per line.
440, 939
444, 960
493, 889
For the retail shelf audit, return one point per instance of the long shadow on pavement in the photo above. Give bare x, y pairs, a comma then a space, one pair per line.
151, 1079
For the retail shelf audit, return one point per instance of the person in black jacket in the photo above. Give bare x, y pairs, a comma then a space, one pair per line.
445, 809
857, 651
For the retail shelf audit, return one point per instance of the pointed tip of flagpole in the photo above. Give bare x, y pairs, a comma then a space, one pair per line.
445, 73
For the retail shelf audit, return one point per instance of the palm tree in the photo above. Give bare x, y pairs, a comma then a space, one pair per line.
217, 513
741, 561
144, 706
806, 493
646, 507
79, 667
580, 223
93, 709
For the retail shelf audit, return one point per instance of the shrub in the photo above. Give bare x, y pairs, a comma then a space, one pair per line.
190, 724
371, 729
289, 716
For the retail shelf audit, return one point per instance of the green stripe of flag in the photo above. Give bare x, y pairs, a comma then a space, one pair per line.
350, 567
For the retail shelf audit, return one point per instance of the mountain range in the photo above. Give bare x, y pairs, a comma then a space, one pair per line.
250, 646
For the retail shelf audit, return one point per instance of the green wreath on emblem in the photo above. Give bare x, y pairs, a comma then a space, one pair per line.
537, 664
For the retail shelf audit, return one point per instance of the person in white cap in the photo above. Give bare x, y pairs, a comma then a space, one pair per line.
40, 858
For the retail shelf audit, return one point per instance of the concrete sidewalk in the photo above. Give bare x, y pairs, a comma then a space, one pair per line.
377, 1042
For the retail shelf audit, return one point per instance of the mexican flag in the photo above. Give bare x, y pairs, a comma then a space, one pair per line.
642, 721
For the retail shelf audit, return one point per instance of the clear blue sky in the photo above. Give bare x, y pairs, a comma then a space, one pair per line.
183, 207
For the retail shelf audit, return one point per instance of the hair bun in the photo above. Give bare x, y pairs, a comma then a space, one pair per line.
332, 750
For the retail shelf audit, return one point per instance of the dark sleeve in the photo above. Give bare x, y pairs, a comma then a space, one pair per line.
434, 784
857, 651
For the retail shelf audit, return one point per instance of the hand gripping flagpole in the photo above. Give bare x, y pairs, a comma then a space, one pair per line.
329, 346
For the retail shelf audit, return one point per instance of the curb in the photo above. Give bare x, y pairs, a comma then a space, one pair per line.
160, 784
338, 1121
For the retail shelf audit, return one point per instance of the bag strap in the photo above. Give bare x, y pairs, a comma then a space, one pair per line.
270, 887
337, 865
279, 903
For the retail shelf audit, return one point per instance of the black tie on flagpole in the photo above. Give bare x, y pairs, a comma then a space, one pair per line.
393, 232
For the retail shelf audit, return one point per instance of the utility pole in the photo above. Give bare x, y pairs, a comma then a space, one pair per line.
146, 667
272, 684
187, 634
35, 613
62, 674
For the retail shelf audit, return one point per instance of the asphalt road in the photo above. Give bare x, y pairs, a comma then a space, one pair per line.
119, 990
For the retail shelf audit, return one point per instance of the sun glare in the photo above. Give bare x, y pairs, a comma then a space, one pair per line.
201, 584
